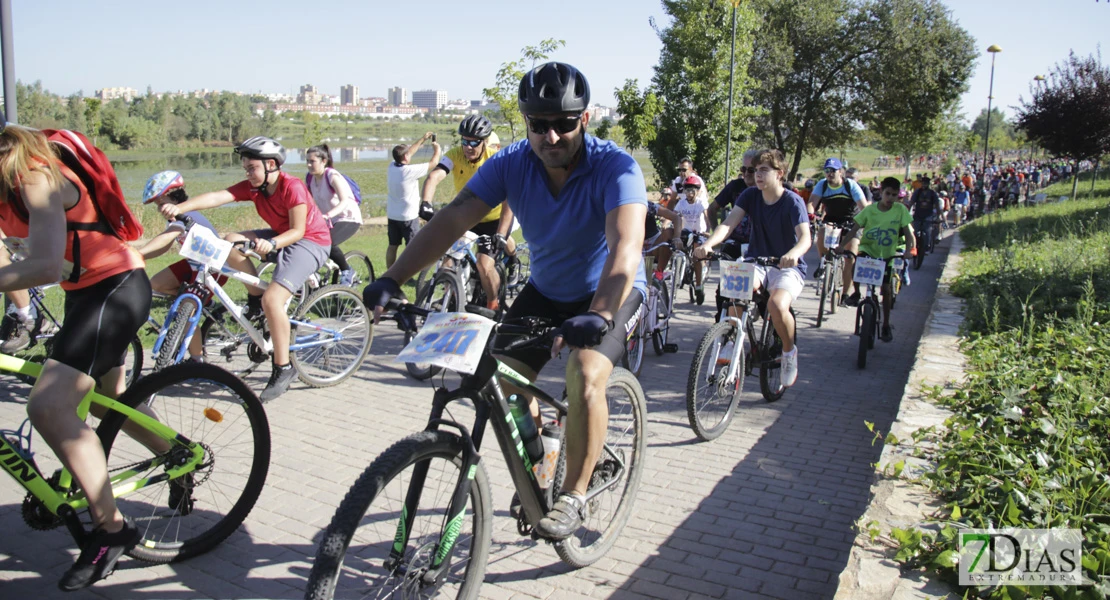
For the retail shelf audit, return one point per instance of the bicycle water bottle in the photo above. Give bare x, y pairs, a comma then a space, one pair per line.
526, 426
545, 471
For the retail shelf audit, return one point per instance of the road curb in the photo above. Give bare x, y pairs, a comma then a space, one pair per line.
871, 573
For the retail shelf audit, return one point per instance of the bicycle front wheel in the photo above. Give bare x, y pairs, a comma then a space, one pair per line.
335, 337
770, 368
866, 332
711, 397
355, 558
190, 515
616, 476
175, 336
634, 352
825, 279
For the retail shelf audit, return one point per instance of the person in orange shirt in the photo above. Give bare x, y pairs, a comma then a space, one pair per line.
45, 214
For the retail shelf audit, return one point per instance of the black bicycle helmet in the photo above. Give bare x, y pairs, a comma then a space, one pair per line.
553, 88
476, 126
262, 147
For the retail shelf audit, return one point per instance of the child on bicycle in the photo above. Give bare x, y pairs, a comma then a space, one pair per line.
695, 219
336, 200
107, 298
883, 225
162, 188
297, 235
780, 227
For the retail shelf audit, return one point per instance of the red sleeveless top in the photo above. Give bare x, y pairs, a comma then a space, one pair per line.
90, 256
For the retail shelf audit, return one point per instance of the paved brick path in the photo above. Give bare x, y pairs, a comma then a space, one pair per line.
765, 511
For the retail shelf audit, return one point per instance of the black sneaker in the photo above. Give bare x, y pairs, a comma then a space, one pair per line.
887, 335
181, 494
254, 310
852, 300
820, 272
280, 378
564, 518
699, 295
99, 556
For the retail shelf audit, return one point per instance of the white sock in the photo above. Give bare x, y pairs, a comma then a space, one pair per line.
791, 353
25, 313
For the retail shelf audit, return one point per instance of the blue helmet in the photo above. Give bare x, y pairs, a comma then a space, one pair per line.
162, 183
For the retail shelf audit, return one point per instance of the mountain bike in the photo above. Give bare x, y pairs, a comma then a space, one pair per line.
417, 523
191, 482
688, 278
329, 274
330, 331
923, 237
870, 273
717, 371
829, 286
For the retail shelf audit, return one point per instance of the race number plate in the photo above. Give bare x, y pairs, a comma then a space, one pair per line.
453, 341
869, 271
203, 246
458, 249
737, 279
832, 237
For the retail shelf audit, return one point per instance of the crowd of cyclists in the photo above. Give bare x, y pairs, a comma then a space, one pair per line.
580, 202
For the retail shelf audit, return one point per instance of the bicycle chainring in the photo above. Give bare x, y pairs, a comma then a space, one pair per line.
35, 513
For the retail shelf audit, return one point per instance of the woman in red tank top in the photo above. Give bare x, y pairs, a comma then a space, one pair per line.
106, 303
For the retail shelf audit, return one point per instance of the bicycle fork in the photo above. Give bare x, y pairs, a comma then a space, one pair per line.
193, 320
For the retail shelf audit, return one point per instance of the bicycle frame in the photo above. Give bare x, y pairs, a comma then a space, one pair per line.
64, 499
483, 388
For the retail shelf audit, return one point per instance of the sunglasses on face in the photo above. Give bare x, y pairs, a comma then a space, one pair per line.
831, 171
748, 170
472, 143
561, 125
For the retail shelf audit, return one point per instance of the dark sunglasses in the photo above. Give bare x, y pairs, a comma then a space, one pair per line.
748, 170
831, 170
472, 143
561, 125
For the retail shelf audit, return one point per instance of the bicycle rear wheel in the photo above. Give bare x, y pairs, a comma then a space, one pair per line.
362, 267
190, 515
617, 473
353, 558
444, 294
341, 328
711, 398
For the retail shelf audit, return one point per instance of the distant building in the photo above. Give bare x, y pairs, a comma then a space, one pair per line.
308, 95
327, 110
398, 96
374, 101
430, 99
126, 93
348, 94
598, 112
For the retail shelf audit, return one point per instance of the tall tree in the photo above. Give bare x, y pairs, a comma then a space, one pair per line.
507, 84
1070, 114
92, 117
638, 111
692, 83
75, 113
823, 67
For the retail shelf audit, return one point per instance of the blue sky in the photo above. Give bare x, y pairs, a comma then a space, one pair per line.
276, 46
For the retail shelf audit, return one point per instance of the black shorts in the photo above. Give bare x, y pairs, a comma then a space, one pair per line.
100, 322
399, 231
531, 303
488, 228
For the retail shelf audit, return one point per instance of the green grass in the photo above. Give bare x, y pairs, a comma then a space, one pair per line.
1029, 439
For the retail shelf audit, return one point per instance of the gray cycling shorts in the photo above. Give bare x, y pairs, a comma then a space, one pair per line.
294, 263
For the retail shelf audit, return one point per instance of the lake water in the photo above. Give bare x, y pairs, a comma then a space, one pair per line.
224, 158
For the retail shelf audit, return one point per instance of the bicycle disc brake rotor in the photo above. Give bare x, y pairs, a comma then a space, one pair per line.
421, 560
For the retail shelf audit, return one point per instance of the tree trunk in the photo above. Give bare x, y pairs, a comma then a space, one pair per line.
1075, 180
1094, 177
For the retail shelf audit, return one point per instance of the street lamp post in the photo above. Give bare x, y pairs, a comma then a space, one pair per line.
731, 78
994, 49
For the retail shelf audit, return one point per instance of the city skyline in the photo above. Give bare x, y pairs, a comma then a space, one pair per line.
610, 43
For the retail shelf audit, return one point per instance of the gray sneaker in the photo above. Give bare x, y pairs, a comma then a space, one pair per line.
19, 336
564, 518
280, 379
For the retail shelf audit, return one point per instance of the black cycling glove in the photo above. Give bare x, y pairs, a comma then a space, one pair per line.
380, 292
585, 331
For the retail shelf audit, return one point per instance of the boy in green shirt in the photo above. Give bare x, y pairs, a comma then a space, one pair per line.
885, 225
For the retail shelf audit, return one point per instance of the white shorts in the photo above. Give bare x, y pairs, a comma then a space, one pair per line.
780, 279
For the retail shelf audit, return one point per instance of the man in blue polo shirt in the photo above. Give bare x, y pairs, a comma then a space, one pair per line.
582, 204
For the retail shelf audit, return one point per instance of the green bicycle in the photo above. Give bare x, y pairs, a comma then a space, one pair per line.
186, 496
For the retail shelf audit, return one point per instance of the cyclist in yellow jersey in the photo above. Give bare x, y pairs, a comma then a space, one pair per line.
462, 162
